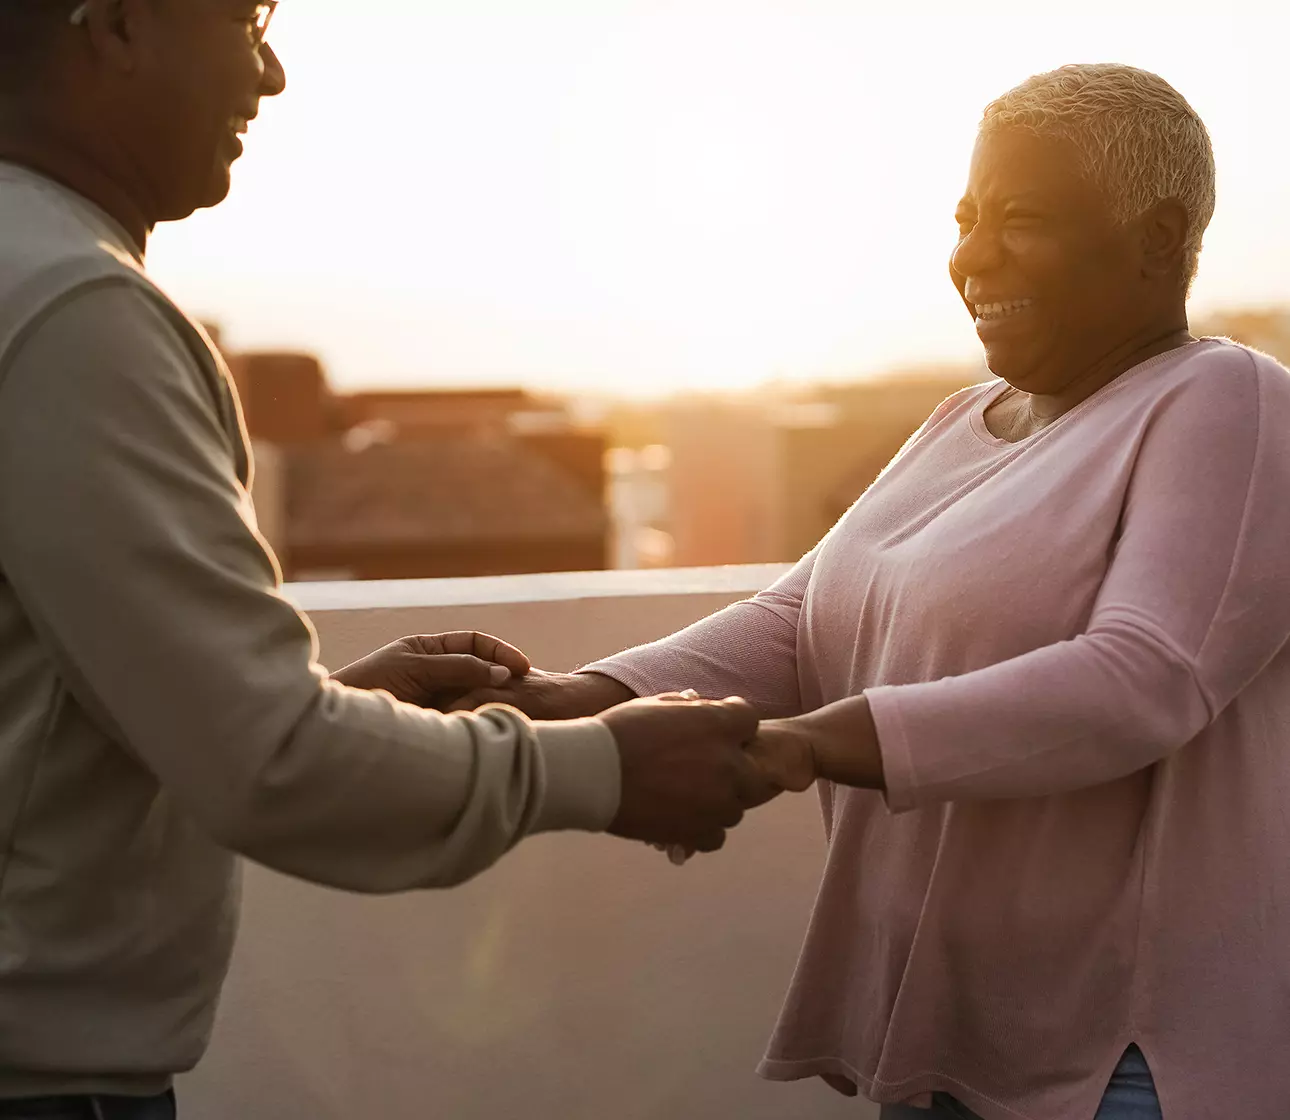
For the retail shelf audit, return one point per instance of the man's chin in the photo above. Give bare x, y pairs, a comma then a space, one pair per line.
220, 185
215, 192
212, 194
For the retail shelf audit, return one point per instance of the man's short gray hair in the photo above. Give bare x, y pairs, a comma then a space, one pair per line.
1138, 138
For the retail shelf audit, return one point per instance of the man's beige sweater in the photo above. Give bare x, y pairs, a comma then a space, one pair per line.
161, 707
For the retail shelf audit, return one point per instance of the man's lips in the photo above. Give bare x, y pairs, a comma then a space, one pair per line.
238, 126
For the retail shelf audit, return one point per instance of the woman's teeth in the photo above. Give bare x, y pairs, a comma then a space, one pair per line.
1001, 310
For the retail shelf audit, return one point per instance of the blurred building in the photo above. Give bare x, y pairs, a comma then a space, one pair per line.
391, 485
639, 503
1266, 329
762, 480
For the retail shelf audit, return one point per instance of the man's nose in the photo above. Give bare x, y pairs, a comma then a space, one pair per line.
274, 80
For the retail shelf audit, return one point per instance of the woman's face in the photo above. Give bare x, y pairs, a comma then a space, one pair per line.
1052, 281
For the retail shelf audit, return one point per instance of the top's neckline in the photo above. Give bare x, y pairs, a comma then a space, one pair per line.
996, 390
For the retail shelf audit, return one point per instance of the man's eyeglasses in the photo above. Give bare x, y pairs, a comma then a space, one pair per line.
263, 16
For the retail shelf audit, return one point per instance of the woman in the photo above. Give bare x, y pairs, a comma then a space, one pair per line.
1045, 670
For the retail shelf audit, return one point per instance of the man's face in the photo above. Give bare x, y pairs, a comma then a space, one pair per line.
1050, 277
199, 84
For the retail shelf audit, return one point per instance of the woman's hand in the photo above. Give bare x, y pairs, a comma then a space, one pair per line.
434, 670
784, 758
837, 743
783, 751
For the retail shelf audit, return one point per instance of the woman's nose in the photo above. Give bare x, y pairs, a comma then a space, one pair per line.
978, 251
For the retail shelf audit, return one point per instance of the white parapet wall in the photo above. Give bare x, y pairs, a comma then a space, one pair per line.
582, 978
561, 619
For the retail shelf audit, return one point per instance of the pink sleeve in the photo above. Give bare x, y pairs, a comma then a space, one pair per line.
1195, 604
748, 649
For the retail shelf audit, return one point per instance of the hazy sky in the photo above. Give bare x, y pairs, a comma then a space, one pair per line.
649, 195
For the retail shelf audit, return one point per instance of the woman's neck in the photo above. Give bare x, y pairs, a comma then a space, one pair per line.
1147, 344
1016, 415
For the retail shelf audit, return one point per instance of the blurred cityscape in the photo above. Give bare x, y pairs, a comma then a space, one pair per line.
413, 484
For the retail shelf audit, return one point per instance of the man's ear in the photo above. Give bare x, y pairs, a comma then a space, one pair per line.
113, 27
1164, 238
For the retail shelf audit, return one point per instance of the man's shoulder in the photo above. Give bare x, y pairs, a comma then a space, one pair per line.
52, 247
44, 221
59, 250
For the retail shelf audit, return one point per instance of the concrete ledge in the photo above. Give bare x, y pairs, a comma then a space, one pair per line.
560, 620
742, 580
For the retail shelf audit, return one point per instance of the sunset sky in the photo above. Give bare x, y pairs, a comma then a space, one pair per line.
664, 194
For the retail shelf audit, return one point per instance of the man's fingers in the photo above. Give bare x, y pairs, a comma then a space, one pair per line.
501, 653
708, 841
756, 786
734, 716
732, 817
437, 671
740, 716
484, 646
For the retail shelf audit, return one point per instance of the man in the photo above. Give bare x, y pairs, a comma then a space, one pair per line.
159, 704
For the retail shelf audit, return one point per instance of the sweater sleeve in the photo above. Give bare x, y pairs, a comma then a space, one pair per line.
130, 543
1195, 603
747, 649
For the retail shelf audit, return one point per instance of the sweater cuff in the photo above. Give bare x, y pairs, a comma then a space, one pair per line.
897, 760
583, 776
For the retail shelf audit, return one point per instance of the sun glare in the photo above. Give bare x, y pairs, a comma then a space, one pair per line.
642, 196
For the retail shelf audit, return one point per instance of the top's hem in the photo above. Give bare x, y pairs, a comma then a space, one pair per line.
914, 1090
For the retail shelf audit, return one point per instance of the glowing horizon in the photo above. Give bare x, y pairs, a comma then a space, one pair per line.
640, 196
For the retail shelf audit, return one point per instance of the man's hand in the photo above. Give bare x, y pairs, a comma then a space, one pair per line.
542, 695
434, 670
686, 776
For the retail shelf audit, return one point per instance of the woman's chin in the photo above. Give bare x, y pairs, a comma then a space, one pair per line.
1016, 365
1004, 366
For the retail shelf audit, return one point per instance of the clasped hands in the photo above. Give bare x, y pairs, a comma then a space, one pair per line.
690, 768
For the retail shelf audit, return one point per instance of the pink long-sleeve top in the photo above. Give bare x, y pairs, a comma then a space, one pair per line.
1075, 651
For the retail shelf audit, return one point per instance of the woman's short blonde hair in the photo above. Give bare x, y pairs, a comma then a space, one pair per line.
1138, 138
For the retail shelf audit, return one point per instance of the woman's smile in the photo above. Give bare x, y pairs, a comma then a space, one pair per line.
1000, 319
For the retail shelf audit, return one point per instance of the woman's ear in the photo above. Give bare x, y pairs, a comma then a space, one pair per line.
1164, 238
